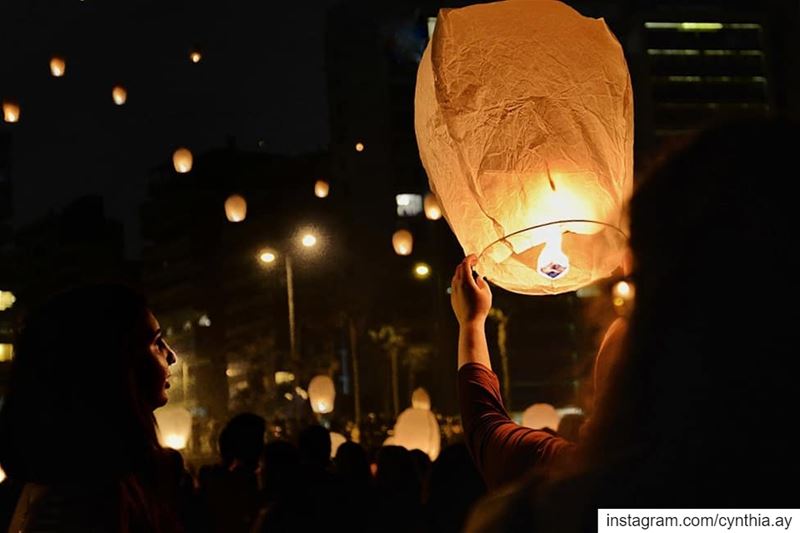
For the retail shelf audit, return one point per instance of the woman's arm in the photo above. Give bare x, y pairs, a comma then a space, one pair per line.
471, 300
501, 449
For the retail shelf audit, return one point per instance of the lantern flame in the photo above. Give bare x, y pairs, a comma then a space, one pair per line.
553, 263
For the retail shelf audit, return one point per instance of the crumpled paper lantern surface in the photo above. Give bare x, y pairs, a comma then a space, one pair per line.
524, 121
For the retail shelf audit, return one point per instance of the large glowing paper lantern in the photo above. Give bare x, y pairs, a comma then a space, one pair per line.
235, 208
541, 415
57, 67
337, 439
182, 160
119, 94
525, 128
420, 399
11, 112
402, 242
417, 429
321, 394
174, 426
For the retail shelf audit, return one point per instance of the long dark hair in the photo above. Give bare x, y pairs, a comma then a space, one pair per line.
74, 410
699, 405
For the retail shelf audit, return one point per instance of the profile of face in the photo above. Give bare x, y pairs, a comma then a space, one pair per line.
155, 373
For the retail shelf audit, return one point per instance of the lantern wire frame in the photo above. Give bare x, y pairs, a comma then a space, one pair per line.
504, 240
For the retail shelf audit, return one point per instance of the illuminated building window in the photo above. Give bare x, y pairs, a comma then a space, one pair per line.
408, 205
6, 352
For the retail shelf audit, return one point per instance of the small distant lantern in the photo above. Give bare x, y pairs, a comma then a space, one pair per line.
420, 399
527, 139
174, 426
182, 160
321, 394
235, 208
403, 242
57, 67
11, 112
337, 439
541, 415
418, 429
195, 56
433, 211
119, 94
359, 147
321, 189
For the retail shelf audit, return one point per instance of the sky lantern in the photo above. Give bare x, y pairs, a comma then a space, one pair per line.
420, 399
433, 210
417, 429
174, 426
195, 56
321, 189
525, 130
119, 94
57, 67
11, 111
182, 160
541, 415
402, 242
337, 439
235, 208
321, 394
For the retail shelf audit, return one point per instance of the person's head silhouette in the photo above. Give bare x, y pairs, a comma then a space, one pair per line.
91, 365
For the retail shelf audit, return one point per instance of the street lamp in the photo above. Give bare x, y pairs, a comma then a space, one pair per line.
268, 256
422, 271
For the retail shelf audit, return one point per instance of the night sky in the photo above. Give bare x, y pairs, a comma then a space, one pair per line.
261, 81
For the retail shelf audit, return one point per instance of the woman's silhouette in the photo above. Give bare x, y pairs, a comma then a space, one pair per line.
77, 433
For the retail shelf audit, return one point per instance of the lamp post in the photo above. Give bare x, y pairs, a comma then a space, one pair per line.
268, 256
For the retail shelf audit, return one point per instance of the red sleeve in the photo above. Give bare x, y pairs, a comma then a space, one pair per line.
502, 449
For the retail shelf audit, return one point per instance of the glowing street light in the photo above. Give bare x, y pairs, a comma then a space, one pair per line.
309, 240
268, 256
422, 270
